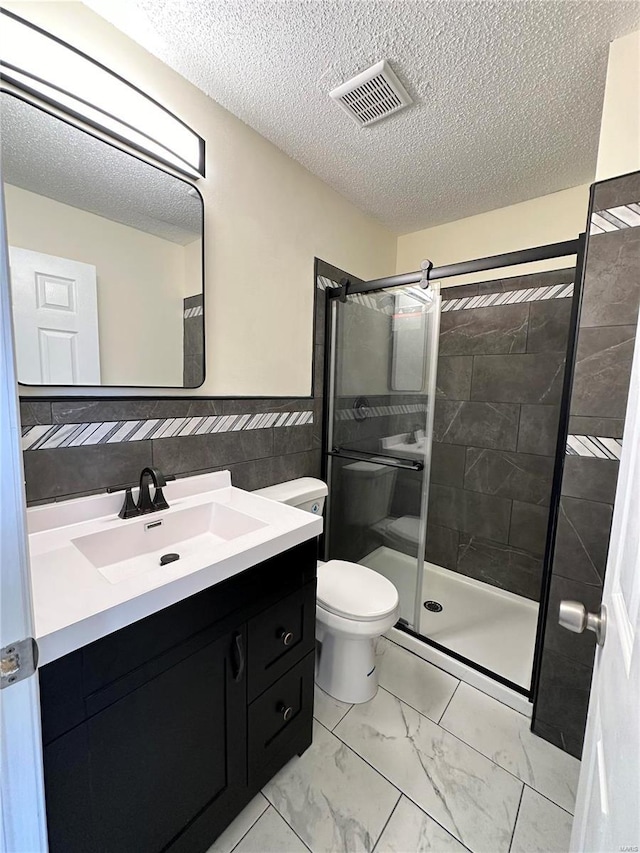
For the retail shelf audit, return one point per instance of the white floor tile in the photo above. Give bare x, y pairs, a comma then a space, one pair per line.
418, 683
504, 736
335, 802
240, 826
542, 827
271, 834
327, 709
410, 830
469, 795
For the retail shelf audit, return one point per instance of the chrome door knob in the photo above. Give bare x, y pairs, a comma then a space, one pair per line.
575, 617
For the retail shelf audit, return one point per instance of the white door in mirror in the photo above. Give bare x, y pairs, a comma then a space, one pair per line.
55, 313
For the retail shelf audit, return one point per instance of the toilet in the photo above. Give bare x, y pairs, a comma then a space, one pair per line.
354, 607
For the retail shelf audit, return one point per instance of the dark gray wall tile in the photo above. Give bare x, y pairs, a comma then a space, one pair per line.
501, 329
617, 191
34, 412
607, 427
259, 473
453, 381
320, 313
528, 529
578, 647
71, 470
318, 370
563, 698
591, 479
481, 515
582, 540
193, 342
538, 430
521, 476
252, 406
447, 464
535, 378
442, 546
89, 411
203, 452
500, 565
611, 292
457, 292
292, 439
479, 424
603, 371
549, 323
524, 282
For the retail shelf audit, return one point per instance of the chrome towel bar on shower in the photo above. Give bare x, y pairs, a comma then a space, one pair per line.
378, 459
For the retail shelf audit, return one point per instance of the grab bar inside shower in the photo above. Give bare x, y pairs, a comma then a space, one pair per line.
378, 458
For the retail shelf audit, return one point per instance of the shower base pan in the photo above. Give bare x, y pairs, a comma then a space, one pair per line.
489, 626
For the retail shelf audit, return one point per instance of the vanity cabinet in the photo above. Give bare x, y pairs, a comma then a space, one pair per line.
157, 735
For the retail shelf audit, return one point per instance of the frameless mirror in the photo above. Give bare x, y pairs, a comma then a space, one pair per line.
105, 252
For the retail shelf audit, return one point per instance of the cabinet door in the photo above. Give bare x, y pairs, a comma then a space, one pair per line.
158, 757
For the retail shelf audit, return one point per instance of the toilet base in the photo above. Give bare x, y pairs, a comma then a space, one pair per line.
346, 667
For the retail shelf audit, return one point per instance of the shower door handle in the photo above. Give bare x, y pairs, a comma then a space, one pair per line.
574, 617
378, 459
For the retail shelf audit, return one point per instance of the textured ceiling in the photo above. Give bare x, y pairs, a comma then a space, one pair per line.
50, 157
508, 94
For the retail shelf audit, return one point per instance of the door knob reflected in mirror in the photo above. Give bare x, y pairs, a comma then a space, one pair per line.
575, 617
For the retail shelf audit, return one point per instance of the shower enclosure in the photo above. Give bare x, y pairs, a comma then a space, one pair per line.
441, 423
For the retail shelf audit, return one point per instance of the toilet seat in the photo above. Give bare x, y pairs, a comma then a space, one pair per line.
355, 592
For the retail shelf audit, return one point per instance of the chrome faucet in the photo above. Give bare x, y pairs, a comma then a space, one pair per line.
145, 502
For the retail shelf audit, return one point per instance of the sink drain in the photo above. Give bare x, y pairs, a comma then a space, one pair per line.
433, 606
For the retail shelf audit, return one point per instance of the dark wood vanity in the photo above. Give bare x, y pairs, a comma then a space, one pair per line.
156, 736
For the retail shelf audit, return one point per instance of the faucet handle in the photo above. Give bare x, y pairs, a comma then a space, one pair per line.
129, 507
159, 500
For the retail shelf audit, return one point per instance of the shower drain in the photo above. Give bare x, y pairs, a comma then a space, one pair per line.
433, 606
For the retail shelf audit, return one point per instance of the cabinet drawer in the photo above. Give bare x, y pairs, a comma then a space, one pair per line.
280, 721
279, 637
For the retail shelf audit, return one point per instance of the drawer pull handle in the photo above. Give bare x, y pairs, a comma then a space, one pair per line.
238, 654
285, 636
286, 711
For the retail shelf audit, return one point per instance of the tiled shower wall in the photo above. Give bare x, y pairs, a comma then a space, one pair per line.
74, 447
499, 382
193, 341
607, 330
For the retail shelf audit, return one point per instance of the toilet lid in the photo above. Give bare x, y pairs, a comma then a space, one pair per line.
355, 592
406, 528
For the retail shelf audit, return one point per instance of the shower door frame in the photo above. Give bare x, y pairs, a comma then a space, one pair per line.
534, 254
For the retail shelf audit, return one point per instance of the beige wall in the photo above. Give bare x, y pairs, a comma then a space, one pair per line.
136, 273
266, 218
619, 148
548, 219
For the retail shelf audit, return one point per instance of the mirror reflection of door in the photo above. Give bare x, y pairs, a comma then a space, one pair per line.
55, 312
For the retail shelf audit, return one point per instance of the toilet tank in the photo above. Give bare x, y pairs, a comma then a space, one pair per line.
305, 493
367, 491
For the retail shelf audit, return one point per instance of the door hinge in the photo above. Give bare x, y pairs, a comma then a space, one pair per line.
17, 661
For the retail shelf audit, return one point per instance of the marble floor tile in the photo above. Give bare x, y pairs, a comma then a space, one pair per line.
417, 682
542, 827
327, 709
504, 736
271, 834
467, 794
410, 830
333, 800
239, 827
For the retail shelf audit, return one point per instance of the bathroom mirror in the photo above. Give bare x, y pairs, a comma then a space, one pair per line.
105, 252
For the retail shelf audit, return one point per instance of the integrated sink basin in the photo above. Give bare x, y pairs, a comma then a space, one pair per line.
137, 546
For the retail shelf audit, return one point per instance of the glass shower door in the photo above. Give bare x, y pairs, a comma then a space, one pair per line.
383, 360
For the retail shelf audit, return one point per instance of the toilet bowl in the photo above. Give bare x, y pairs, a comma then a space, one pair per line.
355, 605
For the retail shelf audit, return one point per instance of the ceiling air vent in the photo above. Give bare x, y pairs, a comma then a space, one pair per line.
372, 95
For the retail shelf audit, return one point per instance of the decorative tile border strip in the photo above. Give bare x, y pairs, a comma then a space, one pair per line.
381, 411
615, 218
595, 446
509, 297
49, 436
196, 311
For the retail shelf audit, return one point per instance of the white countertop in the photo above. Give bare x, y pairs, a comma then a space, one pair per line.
74, 604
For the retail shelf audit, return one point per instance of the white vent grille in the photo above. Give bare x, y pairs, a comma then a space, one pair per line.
372, 95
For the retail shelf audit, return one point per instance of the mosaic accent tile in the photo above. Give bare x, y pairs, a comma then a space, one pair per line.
615, 218
594, 445
382, 411
509, 297
196, 311
49, 436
